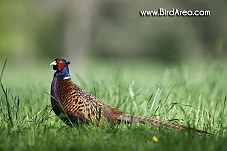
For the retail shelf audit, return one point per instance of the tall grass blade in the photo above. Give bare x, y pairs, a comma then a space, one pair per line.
65, 113
5, 91
4, 65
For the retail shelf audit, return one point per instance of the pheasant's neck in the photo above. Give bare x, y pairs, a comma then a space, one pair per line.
64, 73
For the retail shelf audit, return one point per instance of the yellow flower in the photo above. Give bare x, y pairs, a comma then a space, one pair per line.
154, 138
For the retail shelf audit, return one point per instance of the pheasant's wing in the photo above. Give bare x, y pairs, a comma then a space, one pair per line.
99, 109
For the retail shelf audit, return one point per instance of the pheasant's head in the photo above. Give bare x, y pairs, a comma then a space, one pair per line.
61, 67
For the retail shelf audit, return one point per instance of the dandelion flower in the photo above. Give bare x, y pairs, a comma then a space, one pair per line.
154, 138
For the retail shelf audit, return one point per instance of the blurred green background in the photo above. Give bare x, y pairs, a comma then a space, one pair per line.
80, 30
172, 68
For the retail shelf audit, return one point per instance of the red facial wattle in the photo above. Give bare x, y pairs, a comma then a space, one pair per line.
60, 64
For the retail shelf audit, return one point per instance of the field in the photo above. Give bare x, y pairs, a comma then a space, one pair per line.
193, 94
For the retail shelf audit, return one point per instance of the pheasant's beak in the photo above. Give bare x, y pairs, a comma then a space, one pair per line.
53, 63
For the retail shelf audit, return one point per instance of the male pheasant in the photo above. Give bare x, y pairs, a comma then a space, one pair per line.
74, 105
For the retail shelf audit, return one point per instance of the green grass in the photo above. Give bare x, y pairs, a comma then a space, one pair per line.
190, 94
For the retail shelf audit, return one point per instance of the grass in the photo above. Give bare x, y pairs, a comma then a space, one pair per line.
190, 94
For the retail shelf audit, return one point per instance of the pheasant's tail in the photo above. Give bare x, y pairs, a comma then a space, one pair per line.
157, 122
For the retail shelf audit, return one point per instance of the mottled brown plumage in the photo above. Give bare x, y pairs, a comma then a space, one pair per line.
74, 105
79, 105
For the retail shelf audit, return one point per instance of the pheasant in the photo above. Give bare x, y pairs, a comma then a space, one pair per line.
74, 105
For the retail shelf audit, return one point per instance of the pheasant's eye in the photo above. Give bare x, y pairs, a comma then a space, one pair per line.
60, 61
